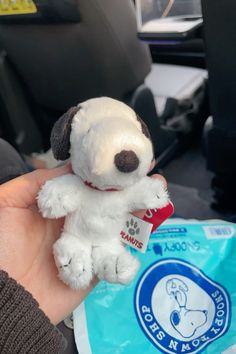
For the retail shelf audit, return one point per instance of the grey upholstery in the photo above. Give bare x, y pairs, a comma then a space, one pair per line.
64, 63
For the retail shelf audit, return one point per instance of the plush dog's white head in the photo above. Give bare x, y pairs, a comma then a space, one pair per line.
108, 143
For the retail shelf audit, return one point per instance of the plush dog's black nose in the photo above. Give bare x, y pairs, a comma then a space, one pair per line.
126, 161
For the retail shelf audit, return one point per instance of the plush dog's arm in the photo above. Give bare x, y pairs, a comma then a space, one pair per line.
59, 196
149, 193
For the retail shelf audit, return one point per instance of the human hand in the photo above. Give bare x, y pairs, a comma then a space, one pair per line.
26, 240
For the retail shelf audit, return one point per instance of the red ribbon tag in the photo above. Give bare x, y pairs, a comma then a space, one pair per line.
158, 216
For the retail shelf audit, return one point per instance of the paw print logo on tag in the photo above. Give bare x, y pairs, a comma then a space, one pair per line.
132, 227
136, 233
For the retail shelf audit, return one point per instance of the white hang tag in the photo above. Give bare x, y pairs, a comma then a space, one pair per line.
136, 233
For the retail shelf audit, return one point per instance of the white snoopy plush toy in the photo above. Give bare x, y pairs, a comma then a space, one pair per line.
110, 152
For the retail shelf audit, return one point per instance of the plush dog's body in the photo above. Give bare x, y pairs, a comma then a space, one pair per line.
110, 158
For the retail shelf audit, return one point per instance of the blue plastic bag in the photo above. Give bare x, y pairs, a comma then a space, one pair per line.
183, 299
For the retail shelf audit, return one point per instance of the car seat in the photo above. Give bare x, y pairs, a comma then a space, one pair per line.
220, 140
58, 58
67, 52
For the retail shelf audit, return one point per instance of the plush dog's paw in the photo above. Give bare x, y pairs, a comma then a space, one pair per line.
75, 271
120, 268
157, 195
52, 203
74, 265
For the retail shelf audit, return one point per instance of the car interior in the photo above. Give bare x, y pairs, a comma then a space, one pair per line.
180, 79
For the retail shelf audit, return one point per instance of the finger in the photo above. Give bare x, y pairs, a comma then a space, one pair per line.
161, 178
22, 191
152, 165
140, 213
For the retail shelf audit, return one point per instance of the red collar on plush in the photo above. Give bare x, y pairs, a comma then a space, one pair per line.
90, 185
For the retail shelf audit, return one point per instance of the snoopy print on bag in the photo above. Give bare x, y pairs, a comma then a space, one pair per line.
184, 320
179, 308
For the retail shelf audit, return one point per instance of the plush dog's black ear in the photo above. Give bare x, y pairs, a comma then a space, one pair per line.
144, 127
60, 135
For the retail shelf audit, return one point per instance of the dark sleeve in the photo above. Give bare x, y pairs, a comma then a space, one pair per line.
24, 328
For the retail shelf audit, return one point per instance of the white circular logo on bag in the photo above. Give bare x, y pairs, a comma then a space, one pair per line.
179, 308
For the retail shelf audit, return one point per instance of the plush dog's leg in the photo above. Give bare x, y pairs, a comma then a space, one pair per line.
114, 264
73, 259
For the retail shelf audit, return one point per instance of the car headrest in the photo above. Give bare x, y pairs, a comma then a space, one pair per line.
36, 11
